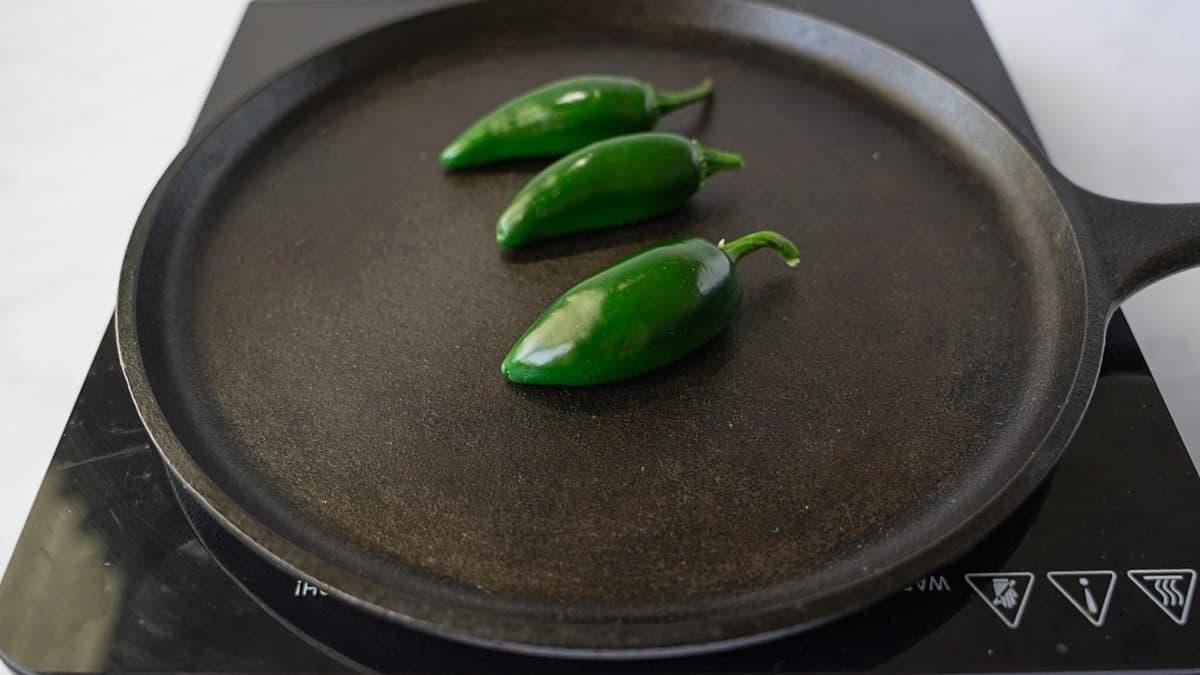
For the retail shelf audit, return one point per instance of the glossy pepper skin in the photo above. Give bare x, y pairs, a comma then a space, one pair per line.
610, 183
639, 314
564, 116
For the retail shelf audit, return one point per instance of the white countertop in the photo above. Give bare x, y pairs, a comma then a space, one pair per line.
98, 97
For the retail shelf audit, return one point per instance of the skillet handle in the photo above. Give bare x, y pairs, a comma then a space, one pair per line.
1138, 243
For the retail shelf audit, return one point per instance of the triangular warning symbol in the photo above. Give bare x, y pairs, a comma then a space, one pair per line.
1171, 590
1006, 593
1089, 591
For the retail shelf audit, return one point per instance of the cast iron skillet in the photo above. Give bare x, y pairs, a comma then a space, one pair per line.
312, 315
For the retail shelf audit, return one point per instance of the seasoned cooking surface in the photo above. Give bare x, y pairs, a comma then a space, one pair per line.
345, 310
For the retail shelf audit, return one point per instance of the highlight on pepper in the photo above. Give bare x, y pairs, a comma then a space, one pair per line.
640, 314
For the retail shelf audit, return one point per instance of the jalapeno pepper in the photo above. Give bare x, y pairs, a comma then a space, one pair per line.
639, 314
610, 183
564, 116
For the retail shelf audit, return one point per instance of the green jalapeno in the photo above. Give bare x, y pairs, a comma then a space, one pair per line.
610, 183
639, 314
564, 116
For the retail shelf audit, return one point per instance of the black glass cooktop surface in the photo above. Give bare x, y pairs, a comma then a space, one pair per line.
1097, 572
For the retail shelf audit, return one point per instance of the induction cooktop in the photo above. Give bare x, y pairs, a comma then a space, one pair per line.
116, 571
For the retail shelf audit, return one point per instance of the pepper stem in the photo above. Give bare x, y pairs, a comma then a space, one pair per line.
765, 238
666, 101
712, 161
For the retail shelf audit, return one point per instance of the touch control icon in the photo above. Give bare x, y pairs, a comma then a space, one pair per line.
1170, 589
1006, 593
1090, 591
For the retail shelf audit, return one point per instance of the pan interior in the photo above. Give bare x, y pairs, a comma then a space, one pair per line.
330, 322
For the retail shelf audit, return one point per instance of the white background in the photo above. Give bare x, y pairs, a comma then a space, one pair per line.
96, 98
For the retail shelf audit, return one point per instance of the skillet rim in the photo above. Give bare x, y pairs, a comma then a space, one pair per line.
574, 639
